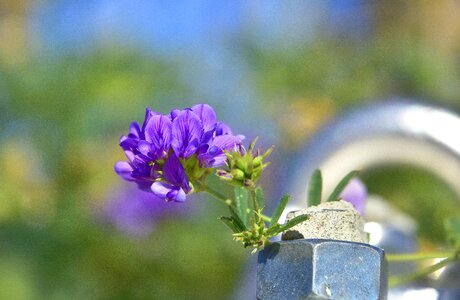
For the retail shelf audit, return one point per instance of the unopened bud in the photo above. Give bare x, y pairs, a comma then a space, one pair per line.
238, 174
257, 161
224, 175
241, 164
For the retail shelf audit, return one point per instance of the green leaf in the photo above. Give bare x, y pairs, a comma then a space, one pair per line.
279, 210
315, 188
291, 223
241, 203
260, 197
237, 220
230, 224
273, 230
341, 186
452, 227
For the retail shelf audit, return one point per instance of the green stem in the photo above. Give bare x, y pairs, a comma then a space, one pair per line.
228, 201
217, 195
418, 256
266, 218
400, 280
257, 217
254, 198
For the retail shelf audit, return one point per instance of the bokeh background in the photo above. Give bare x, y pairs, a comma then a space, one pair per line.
74, 74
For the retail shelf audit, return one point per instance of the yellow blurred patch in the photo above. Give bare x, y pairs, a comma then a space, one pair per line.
26, 190
302, 117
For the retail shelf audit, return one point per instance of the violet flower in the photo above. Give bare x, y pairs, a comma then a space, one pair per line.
187, 130
176, 185
157, 137
161, 153
206, 115
136, 213
355, 193
211, 155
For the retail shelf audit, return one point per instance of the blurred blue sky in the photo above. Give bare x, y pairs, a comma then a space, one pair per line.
177, 27
205, 36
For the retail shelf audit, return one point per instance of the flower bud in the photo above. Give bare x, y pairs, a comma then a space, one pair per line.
244, 166
238, 174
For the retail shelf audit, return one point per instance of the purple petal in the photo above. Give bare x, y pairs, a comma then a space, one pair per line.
355, 193
225, 142
144, 147
174, 113
168, 192
222, 129
174, 172
177, 194
129, 154
202, 149
224, 174
161, 189
140, 160
214, 156
158, 132
207, 136
217, 161
124, 169
135, 130
148, 114
206, 115
142, 168
127, 143
186, 133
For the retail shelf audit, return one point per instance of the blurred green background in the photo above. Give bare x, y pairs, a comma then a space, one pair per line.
74, 74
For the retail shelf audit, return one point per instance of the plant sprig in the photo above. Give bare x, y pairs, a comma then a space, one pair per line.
253, 229
258, 232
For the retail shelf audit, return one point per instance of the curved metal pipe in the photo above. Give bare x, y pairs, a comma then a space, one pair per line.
398, 131
395, 131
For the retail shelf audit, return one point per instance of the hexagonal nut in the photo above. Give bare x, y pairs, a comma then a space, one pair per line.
321, 269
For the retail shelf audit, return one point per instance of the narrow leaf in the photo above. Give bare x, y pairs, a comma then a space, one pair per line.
260, 197
273, 230
315, 188
230, 224
237, 220
452, 227
279, 210
241, 203
341, 186
291, 223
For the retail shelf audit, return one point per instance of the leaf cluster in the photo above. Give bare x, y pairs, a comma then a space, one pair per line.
253, 229
249, 225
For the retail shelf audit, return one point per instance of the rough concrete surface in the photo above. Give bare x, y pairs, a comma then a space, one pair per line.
336, 220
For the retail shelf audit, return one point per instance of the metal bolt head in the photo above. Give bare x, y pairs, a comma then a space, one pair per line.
321, 269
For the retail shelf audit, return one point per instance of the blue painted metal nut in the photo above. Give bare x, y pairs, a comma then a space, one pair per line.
321, 269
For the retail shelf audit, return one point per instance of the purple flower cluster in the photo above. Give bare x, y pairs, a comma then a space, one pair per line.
158, 151
136, 213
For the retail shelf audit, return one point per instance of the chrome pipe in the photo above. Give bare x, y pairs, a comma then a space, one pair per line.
392, 132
